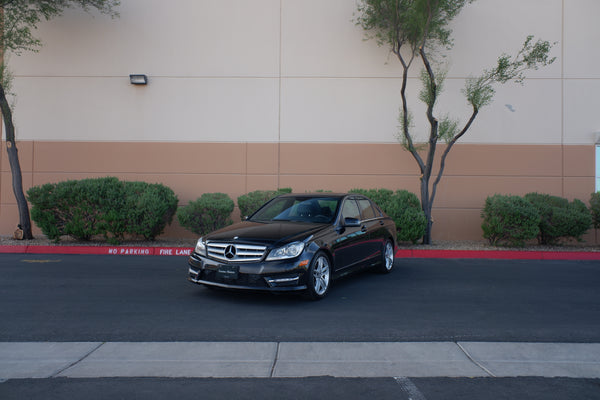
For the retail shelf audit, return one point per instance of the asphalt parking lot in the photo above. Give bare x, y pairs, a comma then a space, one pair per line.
427, 320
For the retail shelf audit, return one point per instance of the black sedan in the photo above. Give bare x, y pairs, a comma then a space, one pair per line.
297, 242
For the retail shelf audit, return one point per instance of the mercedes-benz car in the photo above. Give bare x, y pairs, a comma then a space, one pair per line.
297, 242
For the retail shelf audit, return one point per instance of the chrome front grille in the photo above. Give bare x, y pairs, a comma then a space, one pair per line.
235, 252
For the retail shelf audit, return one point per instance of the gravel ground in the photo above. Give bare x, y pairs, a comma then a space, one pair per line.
41, 240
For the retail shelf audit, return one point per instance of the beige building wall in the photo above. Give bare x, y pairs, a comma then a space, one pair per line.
286, 93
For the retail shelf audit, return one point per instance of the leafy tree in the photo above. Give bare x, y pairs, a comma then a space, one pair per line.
18, 21
417, 32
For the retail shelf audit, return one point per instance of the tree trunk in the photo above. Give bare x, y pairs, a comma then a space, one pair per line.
426, 205
15, 167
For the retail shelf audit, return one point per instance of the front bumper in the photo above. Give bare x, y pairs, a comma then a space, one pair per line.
271, 276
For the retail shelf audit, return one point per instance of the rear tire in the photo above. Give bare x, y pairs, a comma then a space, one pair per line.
319, 277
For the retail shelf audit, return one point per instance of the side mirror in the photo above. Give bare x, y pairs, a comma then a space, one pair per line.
351, 222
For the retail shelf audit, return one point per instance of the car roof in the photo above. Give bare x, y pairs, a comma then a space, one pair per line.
319, 194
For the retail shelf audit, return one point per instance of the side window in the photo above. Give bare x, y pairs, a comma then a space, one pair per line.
366, 209
350, 209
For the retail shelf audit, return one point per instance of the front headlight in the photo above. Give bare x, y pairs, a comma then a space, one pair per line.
200, 247
288, 251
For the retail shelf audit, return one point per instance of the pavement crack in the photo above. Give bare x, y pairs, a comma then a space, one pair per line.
275, 360
86, 355
487, 371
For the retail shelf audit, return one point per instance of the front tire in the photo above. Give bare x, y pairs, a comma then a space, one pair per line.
319, 277
387, 262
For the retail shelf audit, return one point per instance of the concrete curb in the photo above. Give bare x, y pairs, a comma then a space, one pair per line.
401, 253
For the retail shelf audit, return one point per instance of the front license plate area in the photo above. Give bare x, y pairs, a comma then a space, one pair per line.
228, 271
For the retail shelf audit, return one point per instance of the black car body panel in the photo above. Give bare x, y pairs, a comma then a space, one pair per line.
243, 255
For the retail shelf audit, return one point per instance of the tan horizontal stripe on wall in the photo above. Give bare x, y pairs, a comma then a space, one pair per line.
473, 172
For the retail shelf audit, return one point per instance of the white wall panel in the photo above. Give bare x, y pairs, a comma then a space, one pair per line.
582, 111
582, 36
339, 110
367, 110
519, 114
487, 28
168, 109
320, 38
165, 38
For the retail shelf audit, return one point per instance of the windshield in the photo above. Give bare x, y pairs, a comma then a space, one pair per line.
318, 210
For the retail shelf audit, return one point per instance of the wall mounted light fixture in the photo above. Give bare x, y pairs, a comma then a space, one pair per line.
138, 79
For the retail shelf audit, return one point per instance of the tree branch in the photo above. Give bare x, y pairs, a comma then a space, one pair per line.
447, 151
409, 142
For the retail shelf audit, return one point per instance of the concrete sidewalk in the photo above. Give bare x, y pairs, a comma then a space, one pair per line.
297, 359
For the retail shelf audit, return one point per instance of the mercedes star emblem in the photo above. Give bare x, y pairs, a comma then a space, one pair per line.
230, 252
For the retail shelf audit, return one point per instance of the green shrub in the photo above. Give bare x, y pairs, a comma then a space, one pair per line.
101, 206
509, 220
75, 208
560, 219
403, 207
250, 202
148, 208
210, 212
595, 209
382, 197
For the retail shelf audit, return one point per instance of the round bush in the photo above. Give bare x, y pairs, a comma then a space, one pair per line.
250, 202
509, 220
403, 207
559, 218
148, 208
210, 212
78, 208
101, 206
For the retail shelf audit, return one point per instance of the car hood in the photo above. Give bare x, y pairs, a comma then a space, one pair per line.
272, 233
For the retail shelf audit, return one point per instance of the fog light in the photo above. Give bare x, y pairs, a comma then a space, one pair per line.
282, 281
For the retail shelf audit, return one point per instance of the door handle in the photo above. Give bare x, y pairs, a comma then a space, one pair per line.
363, 228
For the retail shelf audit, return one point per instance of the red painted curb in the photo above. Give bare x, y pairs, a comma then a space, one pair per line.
401, 253
499, 254
99, 250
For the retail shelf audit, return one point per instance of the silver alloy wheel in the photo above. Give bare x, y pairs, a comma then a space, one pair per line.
389, 256
321, 274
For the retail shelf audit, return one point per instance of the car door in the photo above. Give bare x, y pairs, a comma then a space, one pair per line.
373, 224
349, 248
